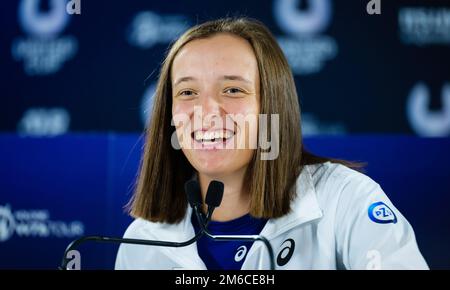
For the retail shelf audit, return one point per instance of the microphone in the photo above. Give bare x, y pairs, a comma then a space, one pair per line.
214, 196
192, 190
213, 199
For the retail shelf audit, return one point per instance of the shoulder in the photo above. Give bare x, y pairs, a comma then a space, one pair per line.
349, 198
140, 229
369, 232
342, 191
144, 229
131, 256
332, 180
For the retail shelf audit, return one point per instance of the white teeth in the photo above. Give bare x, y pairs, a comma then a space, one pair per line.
198, 135
208, 136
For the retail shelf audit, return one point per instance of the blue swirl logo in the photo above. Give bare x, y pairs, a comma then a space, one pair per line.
380, 213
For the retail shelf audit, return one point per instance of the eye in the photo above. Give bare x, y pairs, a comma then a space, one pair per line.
186, 93
233, 91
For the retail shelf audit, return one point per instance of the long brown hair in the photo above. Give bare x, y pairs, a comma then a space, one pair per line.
159, 195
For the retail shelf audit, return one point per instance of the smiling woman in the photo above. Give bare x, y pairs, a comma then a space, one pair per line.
216, 82
222, 79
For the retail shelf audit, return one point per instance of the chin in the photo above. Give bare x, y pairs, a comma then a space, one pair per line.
213, 170
217, 163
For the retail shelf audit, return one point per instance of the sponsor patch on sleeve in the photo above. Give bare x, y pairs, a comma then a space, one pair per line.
380, 213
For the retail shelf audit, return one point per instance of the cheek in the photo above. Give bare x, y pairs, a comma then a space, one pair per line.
247, 133
181, 108
181, 113
244, 106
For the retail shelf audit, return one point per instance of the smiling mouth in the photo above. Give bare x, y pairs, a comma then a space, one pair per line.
213, 137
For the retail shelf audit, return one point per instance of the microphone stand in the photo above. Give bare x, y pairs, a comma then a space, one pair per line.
203, 229
213, 199
76, 243
192, 199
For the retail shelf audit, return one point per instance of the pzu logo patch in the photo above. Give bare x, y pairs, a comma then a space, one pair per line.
380, 213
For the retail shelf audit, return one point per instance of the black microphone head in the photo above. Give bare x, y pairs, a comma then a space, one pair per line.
192, 189
214, 194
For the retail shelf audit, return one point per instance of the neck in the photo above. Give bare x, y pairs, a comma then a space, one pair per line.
235, 203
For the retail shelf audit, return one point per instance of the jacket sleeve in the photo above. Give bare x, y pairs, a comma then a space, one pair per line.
370, 232
138, 257
121, 261
126, 255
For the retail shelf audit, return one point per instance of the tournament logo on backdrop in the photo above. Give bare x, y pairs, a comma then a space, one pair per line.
306, 49
35, 223
44, 122
7, 223
148, 29
424, 25
42, 50
426, 122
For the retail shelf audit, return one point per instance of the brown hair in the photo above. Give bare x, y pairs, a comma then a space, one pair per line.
159, 195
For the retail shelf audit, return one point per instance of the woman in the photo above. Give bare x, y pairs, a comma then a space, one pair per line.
317, 213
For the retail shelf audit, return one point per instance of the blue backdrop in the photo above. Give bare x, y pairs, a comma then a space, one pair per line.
355, 72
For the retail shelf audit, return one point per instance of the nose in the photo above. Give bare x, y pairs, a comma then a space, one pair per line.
209, 104
211, 110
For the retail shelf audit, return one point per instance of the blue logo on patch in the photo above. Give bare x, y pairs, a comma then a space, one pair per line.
380, 213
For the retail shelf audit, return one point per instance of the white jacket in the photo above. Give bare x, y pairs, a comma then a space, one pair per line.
340, 219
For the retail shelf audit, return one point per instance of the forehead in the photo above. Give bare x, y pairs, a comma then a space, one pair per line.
216, 55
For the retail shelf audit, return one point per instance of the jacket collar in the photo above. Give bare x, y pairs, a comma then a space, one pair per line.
305, 208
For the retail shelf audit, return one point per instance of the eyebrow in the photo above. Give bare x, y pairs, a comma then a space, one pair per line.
236, 78
184, 79
225, 77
